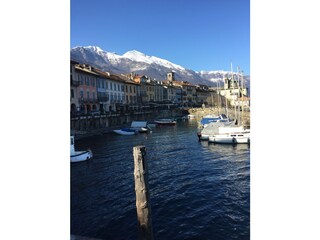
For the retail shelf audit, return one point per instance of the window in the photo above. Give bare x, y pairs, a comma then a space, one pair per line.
72, 93
88, 94
81, 93
93, 95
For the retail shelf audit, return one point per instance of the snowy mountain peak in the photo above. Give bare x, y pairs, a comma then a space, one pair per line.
133, 54
94, 48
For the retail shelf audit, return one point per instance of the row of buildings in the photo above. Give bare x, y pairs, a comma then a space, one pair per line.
95, 91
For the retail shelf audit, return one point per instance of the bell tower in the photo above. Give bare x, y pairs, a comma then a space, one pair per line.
170, 76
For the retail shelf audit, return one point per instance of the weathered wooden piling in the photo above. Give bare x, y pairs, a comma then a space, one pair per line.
142, 193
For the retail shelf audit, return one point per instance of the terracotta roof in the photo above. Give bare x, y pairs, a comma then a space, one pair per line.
117, 78
84, 69
101, 73
132, 82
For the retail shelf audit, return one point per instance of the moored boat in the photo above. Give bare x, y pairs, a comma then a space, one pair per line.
140, 126
213, 128
125, 131
165, 122
78, 156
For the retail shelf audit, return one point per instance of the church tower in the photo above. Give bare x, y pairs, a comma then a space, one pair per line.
170, 76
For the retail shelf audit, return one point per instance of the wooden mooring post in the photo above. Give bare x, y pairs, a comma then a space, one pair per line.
142, 193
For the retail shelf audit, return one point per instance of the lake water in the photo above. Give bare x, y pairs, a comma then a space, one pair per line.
197, 190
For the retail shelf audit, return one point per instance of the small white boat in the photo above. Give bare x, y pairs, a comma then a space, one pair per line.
78, 156
125, 131
231, 138
165, 122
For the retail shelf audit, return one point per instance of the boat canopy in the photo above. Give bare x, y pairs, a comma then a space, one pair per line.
139, 124
209, 119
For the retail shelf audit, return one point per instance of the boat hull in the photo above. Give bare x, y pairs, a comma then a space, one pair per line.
122, 132
80, 156
204, 137
164, 123
227, 139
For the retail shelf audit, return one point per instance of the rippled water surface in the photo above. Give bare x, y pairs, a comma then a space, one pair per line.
197, 190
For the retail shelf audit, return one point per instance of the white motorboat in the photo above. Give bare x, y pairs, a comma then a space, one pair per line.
125, 131
165, 122
78, 156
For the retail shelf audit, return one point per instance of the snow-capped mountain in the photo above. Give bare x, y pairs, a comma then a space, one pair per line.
218, 77
139, 63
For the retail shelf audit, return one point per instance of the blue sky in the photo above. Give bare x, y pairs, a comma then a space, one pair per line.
199, 35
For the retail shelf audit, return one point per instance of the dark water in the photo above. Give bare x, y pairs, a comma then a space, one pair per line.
197, 190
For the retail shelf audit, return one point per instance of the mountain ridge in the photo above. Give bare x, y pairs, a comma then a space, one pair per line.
140, 63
